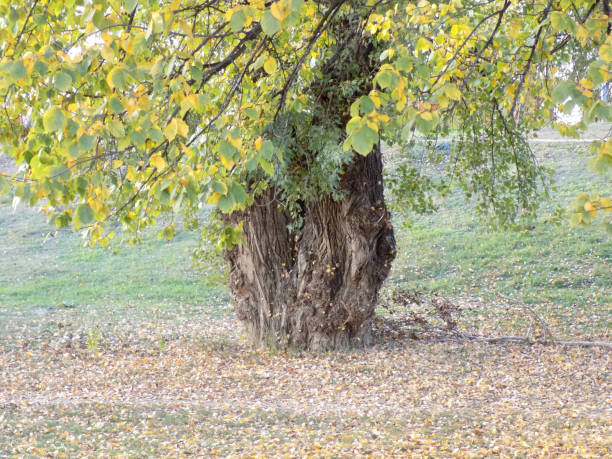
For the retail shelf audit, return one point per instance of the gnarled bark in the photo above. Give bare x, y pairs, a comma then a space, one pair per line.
316, 289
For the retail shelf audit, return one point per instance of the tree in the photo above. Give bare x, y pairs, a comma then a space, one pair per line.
274, 113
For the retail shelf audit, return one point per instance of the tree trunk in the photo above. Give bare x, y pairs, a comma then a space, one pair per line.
316, 289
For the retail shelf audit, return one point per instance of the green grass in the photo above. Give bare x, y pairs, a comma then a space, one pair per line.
56, 278
564, 274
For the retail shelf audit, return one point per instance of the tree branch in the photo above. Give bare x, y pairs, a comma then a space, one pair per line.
530, 59
323, 23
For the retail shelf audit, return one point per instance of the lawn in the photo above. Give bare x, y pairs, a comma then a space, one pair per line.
132, 352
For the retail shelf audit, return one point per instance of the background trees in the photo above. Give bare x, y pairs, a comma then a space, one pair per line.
273, 112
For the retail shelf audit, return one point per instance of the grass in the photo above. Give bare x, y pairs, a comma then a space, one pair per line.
564, 274
129, 352
44, 277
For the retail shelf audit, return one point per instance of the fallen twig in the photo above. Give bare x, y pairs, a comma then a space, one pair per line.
526, 340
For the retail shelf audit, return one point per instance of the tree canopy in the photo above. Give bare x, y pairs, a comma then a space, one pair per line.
125, 109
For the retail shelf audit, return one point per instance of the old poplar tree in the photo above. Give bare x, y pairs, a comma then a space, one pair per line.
274, 112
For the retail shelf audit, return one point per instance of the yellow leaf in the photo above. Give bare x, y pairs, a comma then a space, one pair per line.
95, 204
107, 53
422, 43
170, 131
590, 208
213, 198
270, 65
131, 174
443, 101
117, 163
375, 98
188, 151
158, 162
175, 127
186, 28
587, 84
280, 10
606, 53
372, 125
194, 100
258, 143
228, 163
426, 116
606, 204
181, 127
452, 92
236, 142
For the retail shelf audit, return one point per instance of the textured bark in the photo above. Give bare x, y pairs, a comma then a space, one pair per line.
316, 289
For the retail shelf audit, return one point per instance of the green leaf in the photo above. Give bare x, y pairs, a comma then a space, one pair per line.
238, 193
364, 140
54, 120
40, 67
116, 129
155, 134
117, 78
138, 137
17, 70
237, 20
403, 63
269, 23
563, 91
602, 163
226, 149
225, 203
426, 121
219, 187
353, 124
251, 113
115, 104
267, 149
87, 142
139, 44
600, 111
130, 4
82, 216
62, 81
366, 105
355, 108
384, 79
562, 22
267, 166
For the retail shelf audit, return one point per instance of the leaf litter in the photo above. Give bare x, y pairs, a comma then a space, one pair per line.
196, 389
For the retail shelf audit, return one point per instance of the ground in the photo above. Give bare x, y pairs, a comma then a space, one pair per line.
127, 352
211, 396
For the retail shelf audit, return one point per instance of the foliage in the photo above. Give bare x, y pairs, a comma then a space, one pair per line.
122, 110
